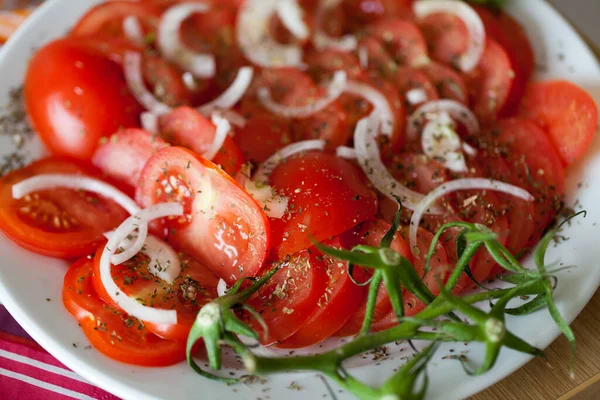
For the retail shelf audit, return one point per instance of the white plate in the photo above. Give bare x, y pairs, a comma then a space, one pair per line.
26, 280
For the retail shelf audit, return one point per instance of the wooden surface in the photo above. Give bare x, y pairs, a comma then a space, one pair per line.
541, 380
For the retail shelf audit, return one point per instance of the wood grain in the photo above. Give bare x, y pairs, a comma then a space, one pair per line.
546, 380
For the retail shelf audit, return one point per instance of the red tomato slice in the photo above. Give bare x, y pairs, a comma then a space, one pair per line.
262, 136
379, 61
109, 330
491, 81
418, 172
449, 84
340, 300
566, 112
327, 196
371, 233
224, 228
75, 96
407, 79
323, 63
60, 223
124, 154
186, 127
329, 124
192, 289
403, 40
359, 13
447, 37
290, 297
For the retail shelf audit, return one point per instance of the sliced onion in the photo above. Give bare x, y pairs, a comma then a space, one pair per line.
129, 250
381, 106
470, 150
255, 40
129, 304
222, 288
133, 30
291, 15
453, 186
416, 96
363, 57
273, 204
232, 94
334, 90
265, 169
346, 152
234, 118
132, 64
171, 47
369, 159
431, 110
149, 122
223, 128
189, 81
77, 182
440, 141
322, 40
470, 59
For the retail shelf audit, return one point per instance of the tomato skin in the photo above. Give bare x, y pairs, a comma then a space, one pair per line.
262, 136
60, 223
111, 332
327, 196
403, 41
74, 97
223, 227
446, 35
406, 79
566, 112
449, 84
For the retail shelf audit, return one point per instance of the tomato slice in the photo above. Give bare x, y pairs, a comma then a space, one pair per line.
418, 172
186, 127
371, 233
323, 63
449, 84
491, 81
327, 196
407, 79
223, 227
124, 154
191, 290
262, 136
566, 112
340, 300
359, 13
60, 223
447, 37
290, 297
402, 39
379, 61
109, 330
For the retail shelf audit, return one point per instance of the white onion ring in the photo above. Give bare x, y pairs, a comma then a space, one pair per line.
254, 38
459, 184
470, 59
77, 182
222, 288
232, 94
273, 204
456, 110
149, 122
133, 30
381, 106
363, 57
322, 40
416, 96
234, 118
223, 128
189, 81
265, 169
291, 15
132, 65
346, 152
128, 304
440, 141
171, 47
334, 90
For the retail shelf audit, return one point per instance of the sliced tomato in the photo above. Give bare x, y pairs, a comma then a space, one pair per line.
290, 297
186, 127
403, 40
339, 301
566, 112
407, 79
379, 61
371, 233
327, 196
330, 125
447, 37
223, 227
60, 222
449, 84
193, 288
262, 136
75, 96
491, 81
418, 172
359, 13
123, 155
109, 330
323, 63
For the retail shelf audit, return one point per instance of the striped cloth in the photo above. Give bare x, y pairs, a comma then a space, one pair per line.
28, 372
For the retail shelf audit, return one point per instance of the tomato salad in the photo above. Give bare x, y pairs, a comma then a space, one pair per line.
195, 143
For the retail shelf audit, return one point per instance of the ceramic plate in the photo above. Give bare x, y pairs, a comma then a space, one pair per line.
27, 280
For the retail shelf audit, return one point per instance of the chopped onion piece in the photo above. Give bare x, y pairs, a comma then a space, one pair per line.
149, 122
431, 110
369, 159
440, 141
171, 47
234, 118
129, 304
189, 81
334, 90
273, 204
265, 169
133, 30
381, 106
132, 64
255, 40
470, 59
363, 57
77, 182
453, 186
346, 152
416, 96
223, 128
232, 94
291, 15
322, 40
222, 288
470, 150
